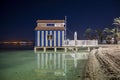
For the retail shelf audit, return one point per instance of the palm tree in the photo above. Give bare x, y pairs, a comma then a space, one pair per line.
100, 35
88, 33
116, 22
111, 33
107, 30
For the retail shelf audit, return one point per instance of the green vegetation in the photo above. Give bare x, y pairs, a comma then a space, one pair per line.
110, 35
88, 33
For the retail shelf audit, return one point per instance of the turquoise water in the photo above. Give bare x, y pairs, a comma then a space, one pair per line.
27, 65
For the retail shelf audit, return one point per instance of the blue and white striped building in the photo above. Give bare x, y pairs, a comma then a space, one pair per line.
49, 33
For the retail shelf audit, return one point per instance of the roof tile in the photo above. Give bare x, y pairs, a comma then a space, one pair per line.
50, 21
49, 28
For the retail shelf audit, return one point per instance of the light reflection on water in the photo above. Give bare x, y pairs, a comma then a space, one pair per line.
60, 66
27, 65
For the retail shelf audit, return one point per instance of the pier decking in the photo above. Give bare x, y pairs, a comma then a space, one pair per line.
74, 48
75, 45
70, 45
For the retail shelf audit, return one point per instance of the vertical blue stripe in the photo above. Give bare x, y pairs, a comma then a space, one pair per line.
48, 39
45, 38
40, 38
56, 38
35, 38
53, 38
60, 38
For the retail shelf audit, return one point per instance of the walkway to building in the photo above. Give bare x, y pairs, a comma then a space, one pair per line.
71, 44
76, 45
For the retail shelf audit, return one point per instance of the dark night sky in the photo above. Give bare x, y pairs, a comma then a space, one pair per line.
18, 18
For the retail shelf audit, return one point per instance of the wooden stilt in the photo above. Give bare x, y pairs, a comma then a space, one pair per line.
88, 48
65, 49
76, 49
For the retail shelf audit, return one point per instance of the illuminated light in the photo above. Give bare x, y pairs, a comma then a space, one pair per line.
6, 42
13, 42
17, 42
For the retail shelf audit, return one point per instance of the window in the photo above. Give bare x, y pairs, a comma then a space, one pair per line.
49, 37
50, 24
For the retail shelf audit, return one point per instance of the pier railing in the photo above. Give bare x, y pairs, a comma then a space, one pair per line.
81, 43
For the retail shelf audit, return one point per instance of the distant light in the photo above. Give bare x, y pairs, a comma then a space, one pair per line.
17, 42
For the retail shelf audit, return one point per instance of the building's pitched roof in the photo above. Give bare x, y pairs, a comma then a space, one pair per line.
50, 21
49, 28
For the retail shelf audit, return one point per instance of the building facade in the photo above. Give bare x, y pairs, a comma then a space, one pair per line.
49, 33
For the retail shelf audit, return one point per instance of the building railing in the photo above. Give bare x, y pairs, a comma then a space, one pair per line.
80, 43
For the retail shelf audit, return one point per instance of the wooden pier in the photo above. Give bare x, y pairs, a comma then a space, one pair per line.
71, 45
63, 48
75, 48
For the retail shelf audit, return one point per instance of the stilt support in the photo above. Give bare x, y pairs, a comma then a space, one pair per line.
88, 48
65, 49
76, 49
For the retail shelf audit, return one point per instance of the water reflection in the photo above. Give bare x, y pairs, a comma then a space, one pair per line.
63, 66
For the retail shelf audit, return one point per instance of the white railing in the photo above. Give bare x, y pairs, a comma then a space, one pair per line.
81, 43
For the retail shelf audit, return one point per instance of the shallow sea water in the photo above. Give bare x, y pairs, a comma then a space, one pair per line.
27, 65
